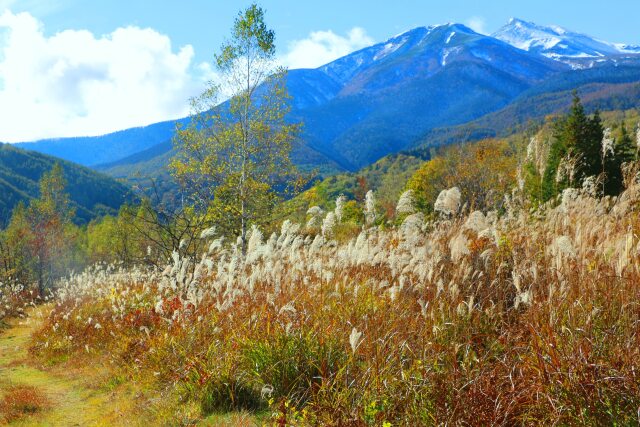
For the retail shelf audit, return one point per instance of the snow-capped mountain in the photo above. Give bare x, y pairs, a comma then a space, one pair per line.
393, 92
559, 43
428, 39
380, 99
424, 51
384, 98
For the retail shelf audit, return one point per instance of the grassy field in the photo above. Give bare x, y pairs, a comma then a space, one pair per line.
77, 392
528, 317
33, 394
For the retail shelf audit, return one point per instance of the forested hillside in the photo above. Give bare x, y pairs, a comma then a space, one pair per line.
92, 194
533, 106
91, 151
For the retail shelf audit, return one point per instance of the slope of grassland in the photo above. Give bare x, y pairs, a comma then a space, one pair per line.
65, 394
473, 318
37, 395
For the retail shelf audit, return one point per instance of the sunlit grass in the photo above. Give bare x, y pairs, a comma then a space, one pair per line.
526, 317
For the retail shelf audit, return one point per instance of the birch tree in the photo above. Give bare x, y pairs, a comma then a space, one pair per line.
235, 157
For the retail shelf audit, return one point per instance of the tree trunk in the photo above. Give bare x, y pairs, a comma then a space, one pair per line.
40, 278
244, 230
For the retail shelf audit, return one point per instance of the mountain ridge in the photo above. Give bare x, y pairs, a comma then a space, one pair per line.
380, 99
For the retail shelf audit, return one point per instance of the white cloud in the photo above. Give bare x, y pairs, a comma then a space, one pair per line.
322, 47
477, 24
74, 83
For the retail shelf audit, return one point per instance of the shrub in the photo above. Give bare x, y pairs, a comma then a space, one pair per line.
20, 401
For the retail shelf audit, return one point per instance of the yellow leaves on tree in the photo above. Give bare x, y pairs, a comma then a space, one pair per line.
483, 171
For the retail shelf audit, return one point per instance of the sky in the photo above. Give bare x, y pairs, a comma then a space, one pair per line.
89, 67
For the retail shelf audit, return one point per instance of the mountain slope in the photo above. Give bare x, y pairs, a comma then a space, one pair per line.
428, 77
601, 88
385, 98
95, 150
92, 194
372, 102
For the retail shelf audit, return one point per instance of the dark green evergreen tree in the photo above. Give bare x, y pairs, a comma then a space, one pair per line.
550, 185
590, 148
625, 149
576, 147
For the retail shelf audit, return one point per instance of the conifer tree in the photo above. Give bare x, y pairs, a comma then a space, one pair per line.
576, 152
590, 147
552, 184
624, 152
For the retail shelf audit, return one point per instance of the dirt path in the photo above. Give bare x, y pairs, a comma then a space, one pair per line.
71, 401
77, 396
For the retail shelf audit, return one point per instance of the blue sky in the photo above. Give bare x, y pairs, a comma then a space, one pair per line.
204, 23
87, 67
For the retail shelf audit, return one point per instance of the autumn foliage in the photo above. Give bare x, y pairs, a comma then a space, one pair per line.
472, 318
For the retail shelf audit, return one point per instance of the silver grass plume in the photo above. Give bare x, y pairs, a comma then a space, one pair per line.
355, 339
315, 211
590, 186
208, 233
411, 228
255, 240
315, 221
476, 222
563, 245
370, 208
607, 144
520, 178
340, 201
567, 168
216, 245
538, 153
406, 203
328, 224
448, 202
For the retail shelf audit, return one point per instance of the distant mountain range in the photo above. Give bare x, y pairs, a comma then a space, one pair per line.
92, 194
396, 95
95, 150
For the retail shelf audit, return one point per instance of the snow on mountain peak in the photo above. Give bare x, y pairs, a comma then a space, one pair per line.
445, 34
557, 42
447, 42
529, 36
390, 47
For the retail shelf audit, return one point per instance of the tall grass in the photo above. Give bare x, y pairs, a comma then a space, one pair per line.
15, 298
530, 317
